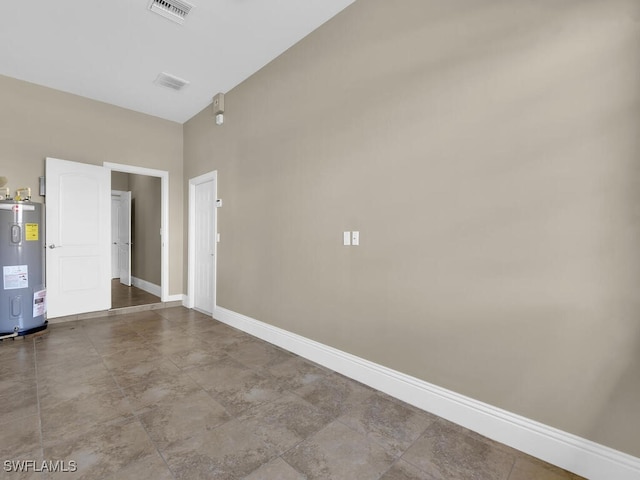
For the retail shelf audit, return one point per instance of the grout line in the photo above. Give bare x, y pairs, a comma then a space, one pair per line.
513, 466
388, 469
35, 362
285, 461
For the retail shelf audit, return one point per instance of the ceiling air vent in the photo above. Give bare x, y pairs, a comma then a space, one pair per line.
170, 81
175, 10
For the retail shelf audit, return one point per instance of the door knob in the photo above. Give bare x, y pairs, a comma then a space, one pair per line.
53, 245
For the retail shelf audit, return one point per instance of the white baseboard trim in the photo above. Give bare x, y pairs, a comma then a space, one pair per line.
565, 450
156, 290
176, 297
186, 301
148, 287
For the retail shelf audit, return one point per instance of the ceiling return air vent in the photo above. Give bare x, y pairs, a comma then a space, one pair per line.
175, 10
170, 81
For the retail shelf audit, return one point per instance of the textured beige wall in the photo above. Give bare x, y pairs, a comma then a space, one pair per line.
146, 251
37, 122
488, 153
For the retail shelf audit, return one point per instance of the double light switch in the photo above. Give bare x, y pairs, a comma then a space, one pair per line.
351, 238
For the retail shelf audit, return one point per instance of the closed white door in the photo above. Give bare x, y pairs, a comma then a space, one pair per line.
78, 219
204, 244
124, 238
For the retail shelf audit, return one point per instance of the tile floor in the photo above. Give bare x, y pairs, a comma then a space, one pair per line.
172, 394
123, 296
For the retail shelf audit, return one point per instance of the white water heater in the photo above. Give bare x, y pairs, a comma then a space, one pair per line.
23, 304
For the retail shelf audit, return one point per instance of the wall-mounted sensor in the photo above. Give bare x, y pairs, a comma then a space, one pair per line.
218, 103
218, 108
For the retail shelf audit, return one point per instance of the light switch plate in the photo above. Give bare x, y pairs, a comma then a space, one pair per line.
355, 238
346, 238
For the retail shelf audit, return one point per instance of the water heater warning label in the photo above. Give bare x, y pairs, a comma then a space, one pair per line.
31, 231
15, 276
39, 303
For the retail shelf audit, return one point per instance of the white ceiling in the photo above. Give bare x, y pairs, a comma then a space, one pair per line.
113, 50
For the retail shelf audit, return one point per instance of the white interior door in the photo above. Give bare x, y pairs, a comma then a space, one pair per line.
78, 218
115, 251
124, 238
204, 209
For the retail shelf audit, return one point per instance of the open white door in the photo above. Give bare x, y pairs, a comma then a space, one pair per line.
78, 221
124, 238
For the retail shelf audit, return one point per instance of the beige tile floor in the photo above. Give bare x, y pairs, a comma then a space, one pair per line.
172, 394
124, 296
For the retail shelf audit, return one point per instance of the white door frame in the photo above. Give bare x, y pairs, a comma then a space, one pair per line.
164, 217
193, 182
124, 247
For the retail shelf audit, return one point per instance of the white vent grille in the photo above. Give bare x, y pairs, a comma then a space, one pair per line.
175, 10
170, 81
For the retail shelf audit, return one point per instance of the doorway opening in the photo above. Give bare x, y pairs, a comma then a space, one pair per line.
147, 279
135, 215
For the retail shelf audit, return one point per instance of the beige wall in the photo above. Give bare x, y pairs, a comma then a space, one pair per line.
146, 250
120, 181
37, 122
488, 153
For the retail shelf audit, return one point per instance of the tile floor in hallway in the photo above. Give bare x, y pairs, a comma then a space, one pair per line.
173, 394
124, 296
